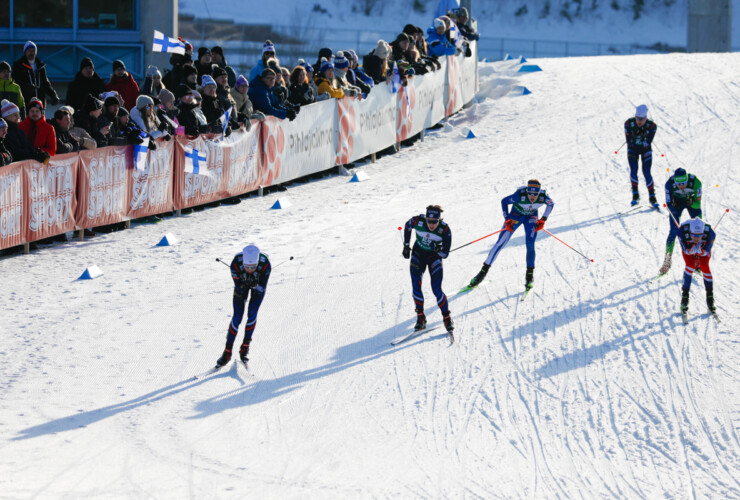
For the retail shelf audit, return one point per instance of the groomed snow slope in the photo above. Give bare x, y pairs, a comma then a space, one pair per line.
592, 387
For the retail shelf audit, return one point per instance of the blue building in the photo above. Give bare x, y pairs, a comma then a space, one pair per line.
65, 31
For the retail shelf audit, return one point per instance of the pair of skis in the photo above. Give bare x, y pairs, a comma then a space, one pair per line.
218, 368
468, 288
416, 333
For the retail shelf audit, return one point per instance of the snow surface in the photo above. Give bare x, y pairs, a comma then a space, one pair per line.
592, 387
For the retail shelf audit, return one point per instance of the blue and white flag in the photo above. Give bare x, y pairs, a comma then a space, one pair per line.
164, 43
195, 161
225, 120
140, 154
395, 79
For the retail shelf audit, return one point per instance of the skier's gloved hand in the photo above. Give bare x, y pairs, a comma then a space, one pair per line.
251, 280
509, 225
540, 225
406, 252
442, 255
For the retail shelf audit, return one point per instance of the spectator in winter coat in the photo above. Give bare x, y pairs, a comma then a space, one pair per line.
9, 90
85, 82
244, 107
145, 118
268, 52
424, 63
438, 44
191, 116
40, 133
260, 93
223, 90
168, 112
91, 120
218, 59
280, 89
174, 76
122, 82
356, 76
466, 29
301, 92
403, 56
375, 63
29, 72
325, 80
152, 82
212, 108
16, 140
341, 66
324, 54
203, 65
62, 124
79, 134
5, 157
189, 82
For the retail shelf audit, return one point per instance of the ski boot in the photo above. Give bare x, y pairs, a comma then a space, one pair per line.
225, 358
666, 264
421, 320
710, 301
529, 278
449, 324
685, 300
243, 351
653, 200
635, 198
480, 276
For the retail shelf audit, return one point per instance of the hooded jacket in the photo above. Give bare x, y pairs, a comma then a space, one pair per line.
40, 134
81, 86
438, 44
126, 86
264, 100
33, 83
12, 92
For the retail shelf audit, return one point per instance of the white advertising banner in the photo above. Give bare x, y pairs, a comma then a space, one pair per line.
468, 74
368, 125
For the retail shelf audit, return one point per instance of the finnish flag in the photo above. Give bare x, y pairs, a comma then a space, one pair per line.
195, 161
395, 79
140, 154
164, 43
225, 120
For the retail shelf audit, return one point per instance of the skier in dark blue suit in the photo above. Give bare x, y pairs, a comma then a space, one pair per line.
250, 271
433, 240
639, 133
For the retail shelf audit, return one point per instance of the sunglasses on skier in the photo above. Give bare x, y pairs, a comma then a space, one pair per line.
432, 221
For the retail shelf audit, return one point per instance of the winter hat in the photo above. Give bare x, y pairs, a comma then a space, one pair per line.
306, 66
105, 95
218, 71
447, 21
267, 71
462, 12
143, 101
326, 53
250, 256
68, 109
402, 37
439, 22
3, 123
111, 100
325, 66
409, 29
86, 63
268, 47
92, 103
4, 66
122, 112
533, 186
382, 49
434, 212
217, 50
153, 70
696, 226
103, 122
187, 71
680, 176
7, 108
351, 55
241, 82
340, 62
61, 113
203, 51
28, 45
35, 103
207, 80
641, 111
166, 97
118, 64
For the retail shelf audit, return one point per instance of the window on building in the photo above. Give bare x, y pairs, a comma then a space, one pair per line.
106, 15
42, 14
4, 17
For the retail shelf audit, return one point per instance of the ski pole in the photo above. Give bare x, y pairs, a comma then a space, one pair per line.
222, 262
283, 262
720, 219
564, 243
659, 151
482, 238
672, 217
620, 147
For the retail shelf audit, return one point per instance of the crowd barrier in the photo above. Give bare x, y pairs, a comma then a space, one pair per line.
102, 186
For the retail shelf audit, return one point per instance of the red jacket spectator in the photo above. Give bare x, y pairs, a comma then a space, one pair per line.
40, 133
122, 82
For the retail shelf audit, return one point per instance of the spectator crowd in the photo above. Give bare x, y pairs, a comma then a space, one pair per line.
193, 95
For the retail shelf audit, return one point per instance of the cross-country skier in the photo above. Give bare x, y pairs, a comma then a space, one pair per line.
526, 202
433, 240
640, 133
696, 240
682, 192
250, 271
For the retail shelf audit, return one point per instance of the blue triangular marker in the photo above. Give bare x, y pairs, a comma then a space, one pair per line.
470, 135
529, 68
526, 91
91, 273
167, 240
359, 177
522, 59
280, 205
508, 57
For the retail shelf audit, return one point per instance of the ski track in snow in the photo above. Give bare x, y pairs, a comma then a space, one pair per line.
591, 387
